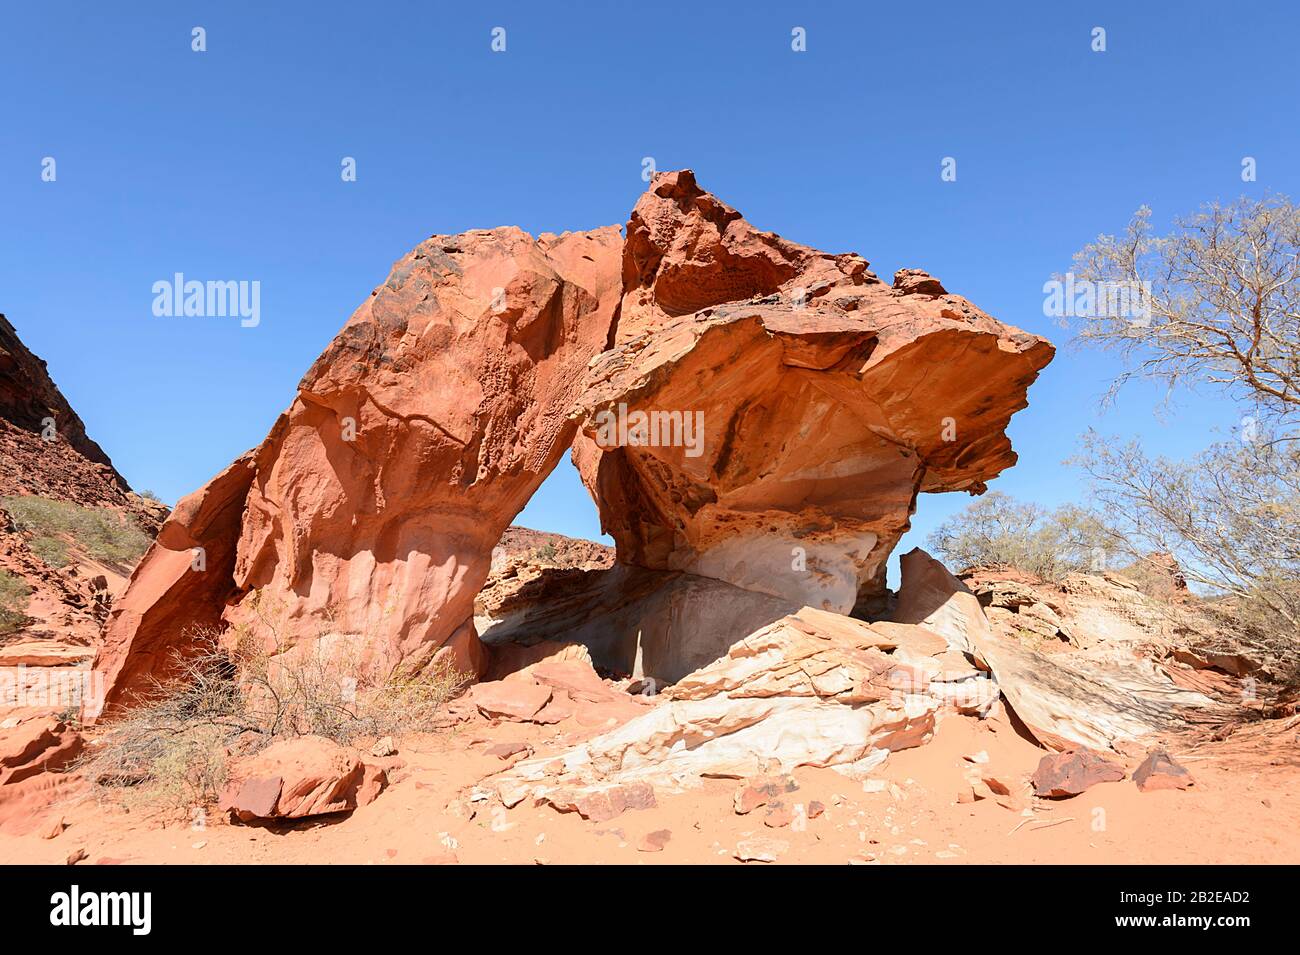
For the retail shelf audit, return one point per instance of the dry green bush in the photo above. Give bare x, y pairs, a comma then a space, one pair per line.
13, 602
102, 533
999, 531
172, 748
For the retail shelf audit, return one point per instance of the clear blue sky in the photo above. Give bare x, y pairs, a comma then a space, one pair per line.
226, 164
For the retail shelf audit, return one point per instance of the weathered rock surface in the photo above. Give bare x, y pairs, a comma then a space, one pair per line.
549, 690
794, 405
810, 689
36, 745
369, 514
633, 621
1092, 697
180, 587
1160, 771
297, 778
45, 452
1061, 775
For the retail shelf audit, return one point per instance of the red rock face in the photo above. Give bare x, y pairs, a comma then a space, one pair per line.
181, 585
794, 406
29, 399
369, 514
791, 404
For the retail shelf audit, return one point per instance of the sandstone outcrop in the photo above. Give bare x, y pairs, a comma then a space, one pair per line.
1091, 697
54, 594
807, 404
368, 516
811, 689
769, 413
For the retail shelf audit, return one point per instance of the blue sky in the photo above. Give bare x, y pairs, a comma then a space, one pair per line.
225, 165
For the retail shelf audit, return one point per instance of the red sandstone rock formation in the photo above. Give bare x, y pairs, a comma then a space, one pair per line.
31, 402
792, 405
369, 514
812, 404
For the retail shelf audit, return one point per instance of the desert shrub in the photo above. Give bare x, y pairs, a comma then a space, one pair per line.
13, 602
102, 533
545, 552
51, 550
173, 747
999, 531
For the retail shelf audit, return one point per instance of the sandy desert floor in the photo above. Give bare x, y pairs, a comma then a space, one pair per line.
1244, 808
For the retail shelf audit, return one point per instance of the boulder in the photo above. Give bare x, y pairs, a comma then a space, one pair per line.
602, 803
364, 524
1061, 775
1160, 771
515, 698
300, 777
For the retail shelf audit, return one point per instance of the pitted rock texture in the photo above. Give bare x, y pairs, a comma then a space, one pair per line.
769, 412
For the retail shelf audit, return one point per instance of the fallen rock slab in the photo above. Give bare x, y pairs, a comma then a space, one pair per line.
655, 841
810, 689
514, 698
1160, 771
1091, 698
1061, 775
44, 653
760, 849
601, 804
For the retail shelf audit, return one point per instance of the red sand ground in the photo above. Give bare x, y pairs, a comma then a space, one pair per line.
1244, 809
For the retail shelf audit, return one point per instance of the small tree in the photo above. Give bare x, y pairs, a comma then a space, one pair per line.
1223, 302
999, 531
1223, 311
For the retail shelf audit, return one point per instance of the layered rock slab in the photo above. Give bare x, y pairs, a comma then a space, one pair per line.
810, 689
365, 522
1088, 698
770, 412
